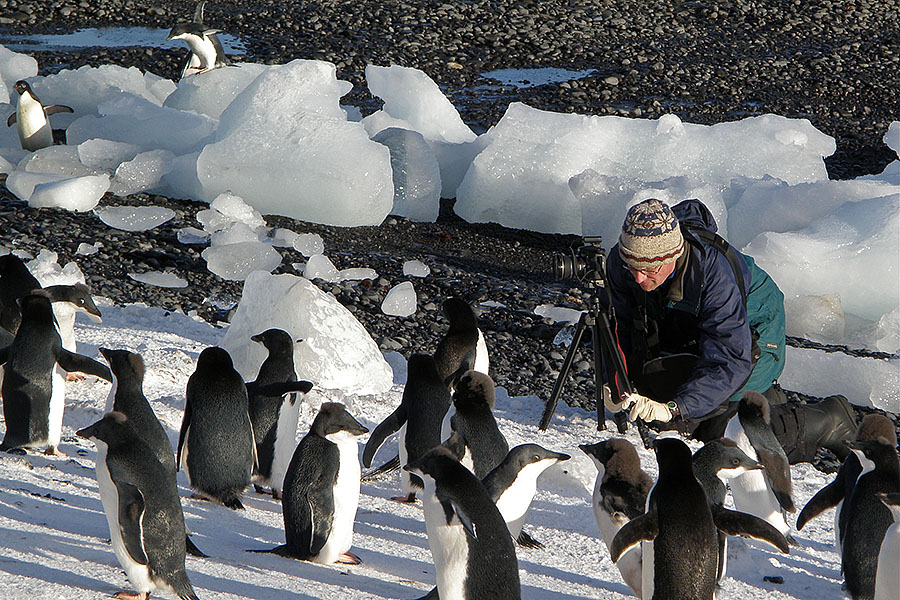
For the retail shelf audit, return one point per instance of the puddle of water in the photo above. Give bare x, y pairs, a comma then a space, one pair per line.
535, 77
109, 37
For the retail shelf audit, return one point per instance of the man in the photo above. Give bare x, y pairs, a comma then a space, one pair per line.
698, 324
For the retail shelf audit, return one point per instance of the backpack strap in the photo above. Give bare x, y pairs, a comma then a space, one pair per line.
718, 242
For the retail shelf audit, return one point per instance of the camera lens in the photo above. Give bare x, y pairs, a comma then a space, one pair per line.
567, 266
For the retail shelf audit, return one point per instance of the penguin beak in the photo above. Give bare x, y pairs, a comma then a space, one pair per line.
105, 353
257, 338
561, 457
86, 433
92, 311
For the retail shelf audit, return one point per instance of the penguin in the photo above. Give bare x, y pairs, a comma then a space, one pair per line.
714, 465
140, 498
126, 396
765, 492
463, 347
620, 494
206, 49
32, 118
836, 493
321, 490
887, 583
513, 483
682, 525
474, 555
868, 519
33, 391
472, 417
423, 406
68, 301
215, 444
275, 409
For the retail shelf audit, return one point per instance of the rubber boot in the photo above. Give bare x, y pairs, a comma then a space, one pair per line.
803, 428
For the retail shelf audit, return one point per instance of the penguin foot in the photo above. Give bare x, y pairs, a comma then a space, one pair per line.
16, 451
196, 496
234, 504
54, 451
276, 495
74, 377
131, 595
526, 541
259, 489
408, 499
348, 558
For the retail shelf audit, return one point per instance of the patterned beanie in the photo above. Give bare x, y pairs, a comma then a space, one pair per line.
650, 236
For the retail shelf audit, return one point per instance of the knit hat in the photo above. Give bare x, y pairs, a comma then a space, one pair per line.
650, 236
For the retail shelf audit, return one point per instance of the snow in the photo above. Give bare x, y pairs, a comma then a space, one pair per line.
56, 536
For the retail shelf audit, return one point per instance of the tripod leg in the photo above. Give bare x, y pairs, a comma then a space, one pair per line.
598, 375
563, 372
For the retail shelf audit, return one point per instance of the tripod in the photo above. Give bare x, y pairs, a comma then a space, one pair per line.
606, 353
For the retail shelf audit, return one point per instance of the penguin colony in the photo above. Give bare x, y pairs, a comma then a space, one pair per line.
668, 538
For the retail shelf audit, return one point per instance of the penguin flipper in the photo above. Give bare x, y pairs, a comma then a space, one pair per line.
432, 595
391, 465
182, 434
779, 473
10, 120
4, 354
57, 108
83, 364
281, 388
734, 523
321, 514
461, 515
642, 528
131, 509
390, 425
192, 548
827, 497
526, 541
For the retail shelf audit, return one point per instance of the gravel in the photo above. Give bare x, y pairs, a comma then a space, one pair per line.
833, 62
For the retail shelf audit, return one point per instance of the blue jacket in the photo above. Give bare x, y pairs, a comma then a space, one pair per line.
699, 310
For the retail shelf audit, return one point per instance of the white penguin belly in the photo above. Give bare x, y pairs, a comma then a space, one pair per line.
449, 548
138, 574
887, 583
285, 442
346, 500
34, 129
647, 567
515, 500
446, 429
57, 405
751, 491
482, 362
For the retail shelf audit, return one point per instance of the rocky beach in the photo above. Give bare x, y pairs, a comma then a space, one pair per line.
832, 62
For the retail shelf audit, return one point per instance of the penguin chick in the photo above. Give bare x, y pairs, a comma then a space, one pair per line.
620, 494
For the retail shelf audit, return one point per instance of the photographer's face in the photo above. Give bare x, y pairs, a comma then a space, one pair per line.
649, 280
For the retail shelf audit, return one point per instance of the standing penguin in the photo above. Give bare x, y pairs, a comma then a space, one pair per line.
620, 494
206, 49
321, 490
513, 483
714, 465
33, 392
887, 583
215, 445
127, 397
682, 526
140, 499
474, 556
836, 493
275, 408
764, 492
868, 519
472, 416
32, 118
418, 419
463, 347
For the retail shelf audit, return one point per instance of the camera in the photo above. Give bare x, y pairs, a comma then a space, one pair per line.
582, 263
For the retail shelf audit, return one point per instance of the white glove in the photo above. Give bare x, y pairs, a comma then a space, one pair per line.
642, 407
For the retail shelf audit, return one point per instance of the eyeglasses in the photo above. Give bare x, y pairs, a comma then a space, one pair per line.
645, 272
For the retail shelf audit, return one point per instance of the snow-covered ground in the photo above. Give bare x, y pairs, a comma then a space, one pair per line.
54, 540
